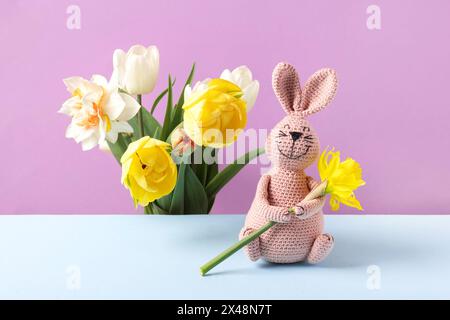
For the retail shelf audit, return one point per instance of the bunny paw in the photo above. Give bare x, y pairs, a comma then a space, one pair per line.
252, 249
321, 248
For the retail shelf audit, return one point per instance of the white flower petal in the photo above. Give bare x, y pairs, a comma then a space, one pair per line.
93, 96
101, 130
119, 58
112, 135
70, 106
89, 143
114, 105
138, 76
137, 49
116, 128
103, 145
226, 75
99, 80
82, 134
153, 52
250, 94
73, 83
187, 92
137, 70
130, 109
72, 131
123, 126
113, 84
242, 76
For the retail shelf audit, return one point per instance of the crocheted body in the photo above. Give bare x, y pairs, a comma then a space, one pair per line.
291, 146
291, 241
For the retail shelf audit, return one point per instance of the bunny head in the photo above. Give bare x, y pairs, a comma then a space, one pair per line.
293, 143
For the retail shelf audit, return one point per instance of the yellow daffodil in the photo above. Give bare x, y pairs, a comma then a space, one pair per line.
148, 171
214, 113
342, 179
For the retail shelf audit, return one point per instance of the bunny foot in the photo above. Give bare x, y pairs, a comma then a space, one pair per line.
321, 248
252, 249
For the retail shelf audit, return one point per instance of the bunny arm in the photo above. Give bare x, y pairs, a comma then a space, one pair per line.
306, 209
268, 211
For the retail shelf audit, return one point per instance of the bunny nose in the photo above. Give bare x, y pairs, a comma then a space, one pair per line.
295, 135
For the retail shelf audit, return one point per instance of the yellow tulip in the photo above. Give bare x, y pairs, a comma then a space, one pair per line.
342, 179
215, 113
148, 171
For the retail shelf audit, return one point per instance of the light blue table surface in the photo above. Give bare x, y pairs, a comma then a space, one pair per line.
158, 257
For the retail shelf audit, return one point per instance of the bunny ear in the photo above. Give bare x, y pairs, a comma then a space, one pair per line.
286, 86
318, 91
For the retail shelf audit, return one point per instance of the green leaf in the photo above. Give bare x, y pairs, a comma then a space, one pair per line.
166, 128
164, 202
223, 177
204, 171
159, 98
211, 203
177, 113
156, 208
177, 205
200, 170
148, 209
195, 199
119, 148
213, 168
157, 132
151, 125
189, 196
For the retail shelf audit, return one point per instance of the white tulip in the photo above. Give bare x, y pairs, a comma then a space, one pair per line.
137, 70
242, 77
98, 110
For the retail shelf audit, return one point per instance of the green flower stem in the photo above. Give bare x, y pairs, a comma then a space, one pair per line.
140, 116
315, 193
234, 248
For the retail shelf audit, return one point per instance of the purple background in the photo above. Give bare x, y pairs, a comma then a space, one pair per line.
391, 111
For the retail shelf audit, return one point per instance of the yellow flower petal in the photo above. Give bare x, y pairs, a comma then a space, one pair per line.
148, 171
132, 148
214, 116
342, 178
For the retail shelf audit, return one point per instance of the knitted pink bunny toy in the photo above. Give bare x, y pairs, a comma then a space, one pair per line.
292, 146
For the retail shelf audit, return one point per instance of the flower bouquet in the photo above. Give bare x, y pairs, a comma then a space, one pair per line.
169, 167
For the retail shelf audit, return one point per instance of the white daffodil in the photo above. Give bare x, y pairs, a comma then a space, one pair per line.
137, 70
242, 77
98, 110
103, 146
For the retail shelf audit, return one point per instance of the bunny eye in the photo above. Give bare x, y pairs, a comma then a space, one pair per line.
281, 134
